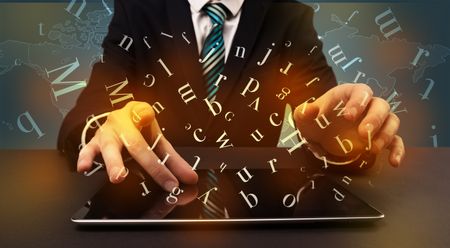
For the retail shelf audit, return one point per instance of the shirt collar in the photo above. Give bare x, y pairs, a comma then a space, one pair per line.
234, 6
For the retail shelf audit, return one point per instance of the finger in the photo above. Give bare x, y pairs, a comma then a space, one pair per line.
306, 112
142, 114
377, 112
162, 206
139, 149
335, 99
87, 155
176, 164
110, 148
190, 193
158, 171
359, 98
397, 153
386, 133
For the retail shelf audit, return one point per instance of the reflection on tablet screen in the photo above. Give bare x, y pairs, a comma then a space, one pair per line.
286, 194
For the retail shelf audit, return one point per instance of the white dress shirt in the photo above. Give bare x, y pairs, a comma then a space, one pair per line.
203, 25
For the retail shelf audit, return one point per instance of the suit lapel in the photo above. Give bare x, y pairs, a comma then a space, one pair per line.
187, 55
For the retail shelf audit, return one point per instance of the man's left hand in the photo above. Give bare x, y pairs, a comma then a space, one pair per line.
347, 120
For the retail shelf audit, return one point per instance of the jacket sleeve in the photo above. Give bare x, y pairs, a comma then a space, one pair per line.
116, 69
312, 77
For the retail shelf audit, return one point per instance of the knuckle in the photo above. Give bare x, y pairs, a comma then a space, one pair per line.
86, 149
108, 145
395, 118
130, 104
135, 146
129, 141
151, 112
347, 84
386, 105
157, 173
132, 149
148, 110
377, 120
107, 148
104, 131
114, 117
400, 140
386, 137
142, 112
99, 132
145, 105
382, 105
366, 88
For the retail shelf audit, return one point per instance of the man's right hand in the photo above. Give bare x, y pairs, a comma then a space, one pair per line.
123, 129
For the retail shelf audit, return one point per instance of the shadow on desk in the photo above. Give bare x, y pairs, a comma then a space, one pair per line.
350, 225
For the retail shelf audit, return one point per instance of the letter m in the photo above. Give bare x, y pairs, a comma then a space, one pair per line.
65, 86
337, 55
116, 97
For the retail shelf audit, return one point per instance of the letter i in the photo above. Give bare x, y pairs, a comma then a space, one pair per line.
434, 137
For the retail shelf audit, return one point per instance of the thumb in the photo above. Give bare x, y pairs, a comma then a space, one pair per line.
142, 114
306, 112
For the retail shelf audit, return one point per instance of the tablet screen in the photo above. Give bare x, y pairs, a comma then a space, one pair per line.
235, 195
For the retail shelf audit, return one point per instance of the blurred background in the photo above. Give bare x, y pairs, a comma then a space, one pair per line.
400, 48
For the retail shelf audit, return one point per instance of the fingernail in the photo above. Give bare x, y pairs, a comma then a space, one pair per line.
169, 185
117, 173
136, 116
139, 110
398, 158
122, 173
81, 162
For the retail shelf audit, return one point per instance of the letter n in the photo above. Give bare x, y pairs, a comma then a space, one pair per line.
80, 8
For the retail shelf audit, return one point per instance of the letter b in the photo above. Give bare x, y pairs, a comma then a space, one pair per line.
253, 197
34, 126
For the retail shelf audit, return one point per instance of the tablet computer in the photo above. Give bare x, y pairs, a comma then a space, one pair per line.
247, 189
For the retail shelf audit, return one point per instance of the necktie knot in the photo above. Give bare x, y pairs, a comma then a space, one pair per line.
217, 12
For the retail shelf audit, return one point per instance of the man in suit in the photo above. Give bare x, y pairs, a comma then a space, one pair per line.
219, 73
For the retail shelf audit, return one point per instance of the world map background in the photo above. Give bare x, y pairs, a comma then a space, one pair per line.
26, 54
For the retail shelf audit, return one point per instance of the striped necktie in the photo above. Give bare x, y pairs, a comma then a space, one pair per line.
213, 62
213, 51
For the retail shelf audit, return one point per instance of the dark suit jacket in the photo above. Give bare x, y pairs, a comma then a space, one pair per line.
285, 27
